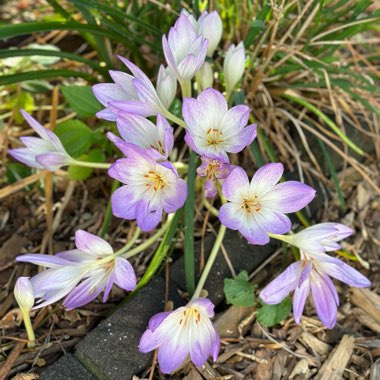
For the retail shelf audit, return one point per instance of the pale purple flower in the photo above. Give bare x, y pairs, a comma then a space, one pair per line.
46, 152
312, 274
215, 171
131, 93
166, 85
258, 207
212, 129
93, 261
23, 293
184, 51
186, 331
322, 237
135, 129
150, 187
210, 26
234, 64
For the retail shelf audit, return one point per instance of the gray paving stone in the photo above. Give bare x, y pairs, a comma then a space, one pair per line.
110, 351
243, 256
67, 368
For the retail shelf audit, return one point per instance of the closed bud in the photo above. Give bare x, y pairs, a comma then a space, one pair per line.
211, 27
23, 292
234, 64
205, 76
166, 86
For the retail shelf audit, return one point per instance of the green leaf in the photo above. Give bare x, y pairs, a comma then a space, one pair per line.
16, 171
82, 100
239, 291
81, 173
41, 74
45, 60
270, 315
76, 137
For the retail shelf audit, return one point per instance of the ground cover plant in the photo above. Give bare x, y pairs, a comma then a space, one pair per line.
225, 118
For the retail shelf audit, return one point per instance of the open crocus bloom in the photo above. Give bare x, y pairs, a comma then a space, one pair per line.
46, 152
311, 274
215, 171
93, 261
150, 187
131, 93
184, 51
182, 332
322, 237
212, 129
137, 130
258, 208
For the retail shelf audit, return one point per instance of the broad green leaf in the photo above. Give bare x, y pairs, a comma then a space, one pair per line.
270, 315
76, 137
239, 291
82, 100
81, 173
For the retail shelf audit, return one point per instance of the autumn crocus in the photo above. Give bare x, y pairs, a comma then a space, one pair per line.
215, 172
233, 67
186, 331
184, 50
46, 152
258, 207
131, 93
157, 138
312, 274
24, 295
212, 129
166, 85
150, 187
81, 274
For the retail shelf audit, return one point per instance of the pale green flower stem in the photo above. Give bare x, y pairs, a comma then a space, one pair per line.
29, 328
103, 165
210, 261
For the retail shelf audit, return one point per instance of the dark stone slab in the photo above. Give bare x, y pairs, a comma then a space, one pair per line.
110, 351
243, 256
67, 368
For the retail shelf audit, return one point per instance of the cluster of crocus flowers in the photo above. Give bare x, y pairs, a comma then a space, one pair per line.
152, 186
81, 274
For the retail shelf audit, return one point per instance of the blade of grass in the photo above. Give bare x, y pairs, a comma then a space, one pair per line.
326, 119
189, 226
43, 74
13, 30
108, 214
332, 171
7, 53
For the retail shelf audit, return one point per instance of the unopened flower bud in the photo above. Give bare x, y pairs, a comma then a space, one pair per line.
166, 86
23, 292
211, 27
233, 67
205, 76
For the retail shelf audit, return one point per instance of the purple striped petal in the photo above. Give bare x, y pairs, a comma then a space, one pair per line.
92, 244
124, 275
282, 285
47, 261
266, 177
147, 217
235, 184
290, 196
299, 299
53, 160
124, 203
324, 301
